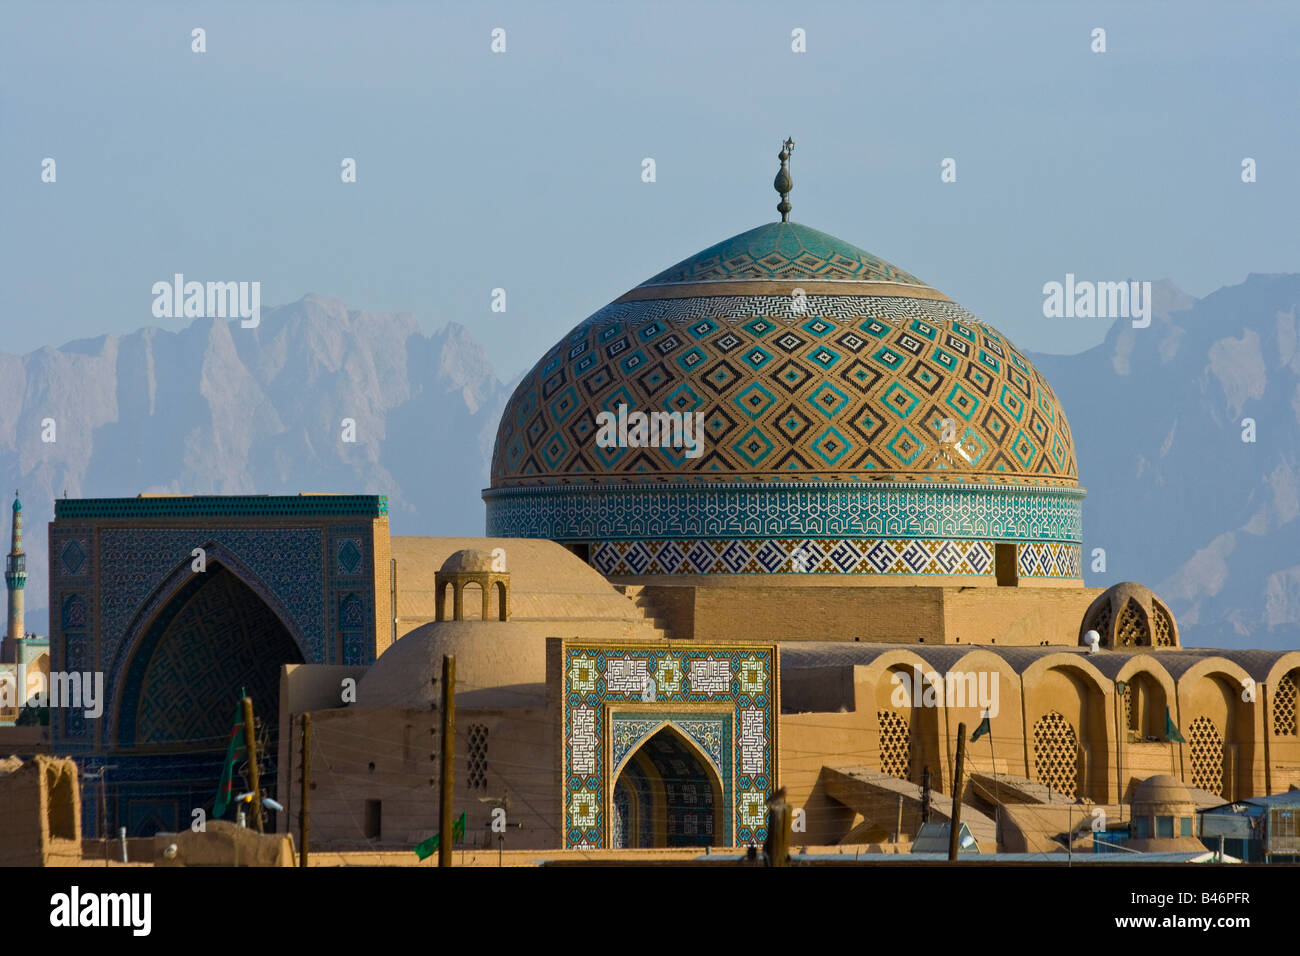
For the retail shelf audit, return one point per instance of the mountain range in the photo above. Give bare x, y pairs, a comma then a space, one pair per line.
1176, 498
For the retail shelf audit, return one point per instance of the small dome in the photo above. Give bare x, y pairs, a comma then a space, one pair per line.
18, 505
468, 560
1162, 794
1130, 615
488, 654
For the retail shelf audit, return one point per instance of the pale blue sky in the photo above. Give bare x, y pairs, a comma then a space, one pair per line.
522, 170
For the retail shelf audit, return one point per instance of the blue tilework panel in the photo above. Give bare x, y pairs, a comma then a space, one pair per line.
616, 698
134, 561
807, 509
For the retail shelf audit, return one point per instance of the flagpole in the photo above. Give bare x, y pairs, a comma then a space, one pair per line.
997, 790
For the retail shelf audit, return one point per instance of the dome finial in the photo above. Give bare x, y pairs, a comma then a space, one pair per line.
783, 183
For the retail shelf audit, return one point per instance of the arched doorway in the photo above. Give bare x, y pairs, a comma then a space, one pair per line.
213, 639
667, 794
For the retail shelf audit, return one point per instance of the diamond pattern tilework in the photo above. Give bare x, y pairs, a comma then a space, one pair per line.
783, 251
843, 359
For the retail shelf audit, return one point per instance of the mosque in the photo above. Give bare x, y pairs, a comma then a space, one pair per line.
872, 537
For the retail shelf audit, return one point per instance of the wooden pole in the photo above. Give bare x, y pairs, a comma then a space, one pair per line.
392, 597
777, 846
925, 795
954, 826
304, 807
997, 788
250, 741
448, 749
103, 808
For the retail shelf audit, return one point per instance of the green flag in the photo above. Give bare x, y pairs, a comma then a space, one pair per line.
430, 846
427, 848
982, 729
1171, 730
237, 749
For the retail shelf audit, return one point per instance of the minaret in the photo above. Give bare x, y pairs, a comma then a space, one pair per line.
15, 581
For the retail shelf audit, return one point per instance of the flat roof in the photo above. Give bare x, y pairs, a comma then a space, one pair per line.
223, 506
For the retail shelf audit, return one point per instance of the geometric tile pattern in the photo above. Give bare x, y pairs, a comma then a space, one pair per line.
119, 565
1045, 559
223, 506
219, 643
615, 697
133, 561
686, 808
349, 554
782, 251
629, 730
804, 509
793, 556
862, 388
74, 556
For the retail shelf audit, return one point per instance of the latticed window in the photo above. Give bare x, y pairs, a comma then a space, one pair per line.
895, 745
478, 747
1132, 630
1206, 755
1284, 722
1164, 626
1101, 622
1132, 718
1056, 753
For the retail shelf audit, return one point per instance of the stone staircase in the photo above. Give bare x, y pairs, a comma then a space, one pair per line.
636, 594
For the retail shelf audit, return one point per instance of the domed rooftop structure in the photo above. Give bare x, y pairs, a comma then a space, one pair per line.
468, 559
1129, 614
785, 384
488, 655
1162, 793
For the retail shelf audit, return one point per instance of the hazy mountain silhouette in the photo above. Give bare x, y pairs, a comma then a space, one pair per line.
1176, 498
213, 408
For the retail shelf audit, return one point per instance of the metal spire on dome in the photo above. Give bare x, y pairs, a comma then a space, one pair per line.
783, 183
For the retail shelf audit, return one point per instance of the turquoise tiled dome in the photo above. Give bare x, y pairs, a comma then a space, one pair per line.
836, 395
782, 251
